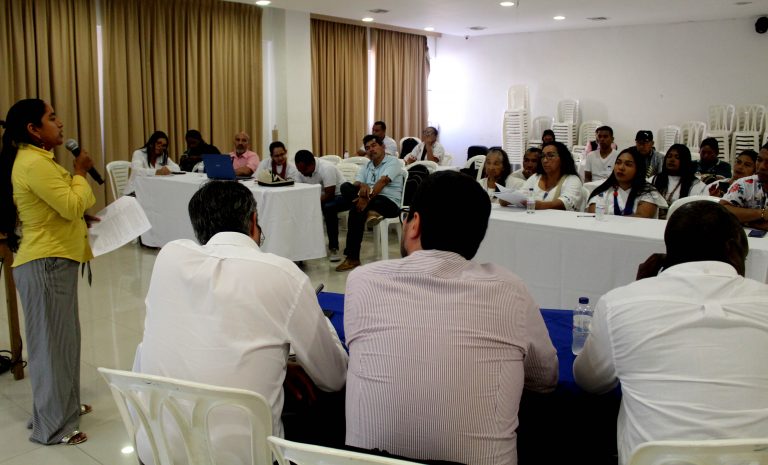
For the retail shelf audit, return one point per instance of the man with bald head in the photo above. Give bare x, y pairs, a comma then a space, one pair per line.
244, 161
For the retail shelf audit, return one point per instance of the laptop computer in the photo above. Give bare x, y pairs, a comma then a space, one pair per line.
220, 167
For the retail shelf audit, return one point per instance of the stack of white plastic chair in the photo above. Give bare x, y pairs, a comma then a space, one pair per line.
692, 133
751, 123
538, 126
721, 125
668, 136
567, 124
587, 131
516, 124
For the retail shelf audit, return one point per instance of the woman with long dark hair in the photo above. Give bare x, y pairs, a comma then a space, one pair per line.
626, 192
43, 209
556, 184
151, 160
498, 171
677, 178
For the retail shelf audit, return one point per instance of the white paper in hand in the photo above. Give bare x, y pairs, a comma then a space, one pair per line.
516, 198
121, 222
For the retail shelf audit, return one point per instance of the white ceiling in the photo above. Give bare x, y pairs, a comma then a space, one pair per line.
456, 16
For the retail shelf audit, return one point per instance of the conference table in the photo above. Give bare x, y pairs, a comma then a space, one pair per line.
562, 255
290, 217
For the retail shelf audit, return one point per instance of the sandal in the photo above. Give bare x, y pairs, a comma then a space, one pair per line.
74, 438
85, 409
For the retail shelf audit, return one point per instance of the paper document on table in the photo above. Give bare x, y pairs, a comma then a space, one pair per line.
121, 222
513, 197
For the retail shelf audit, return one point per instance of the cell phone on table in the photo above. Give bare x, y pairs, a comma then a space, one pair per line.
757, 233
178, 172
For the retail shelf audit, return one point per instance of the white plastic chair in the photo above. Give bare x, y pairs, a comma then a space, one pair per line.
722, 118
691, 198
287, 452
446, 160
119, 173
335, 159
587, 131
538, 126
381, 231
568, 111
706, 452
585, 193
477, 162
150, 402
518, 97
667, 136
692, 133
357, 160
349, 170
431, 166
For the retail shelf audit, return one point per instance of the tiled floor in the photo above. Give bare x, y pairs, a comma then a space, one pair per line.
112, 319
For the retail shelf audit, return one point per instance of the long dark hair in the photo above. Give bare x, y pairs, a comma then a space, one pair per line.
639, 185
21, 114
150, 145
506, 169
567, 165
686, 172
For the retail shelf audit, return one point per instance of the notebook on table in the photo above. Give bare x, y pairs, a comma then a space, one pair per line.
220, 167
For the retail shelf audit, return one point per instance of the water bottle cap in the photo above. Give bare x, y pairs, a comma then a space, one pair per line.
583, 300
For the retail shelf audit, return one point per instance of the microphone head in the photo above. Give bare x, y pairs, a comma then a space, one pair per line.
71, 145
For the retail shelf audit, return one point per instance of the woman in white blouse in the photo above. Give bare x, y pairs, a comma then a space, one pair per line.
151, 160
556, 184
677, 178
626, 191
497, 171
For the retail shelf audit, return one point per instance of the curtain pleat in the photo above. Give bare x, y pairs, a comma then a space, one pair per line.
402, 69
339, 87
48, 51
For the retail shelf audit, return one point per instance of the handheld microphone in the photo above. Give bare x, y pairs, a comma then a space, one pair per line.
72, 146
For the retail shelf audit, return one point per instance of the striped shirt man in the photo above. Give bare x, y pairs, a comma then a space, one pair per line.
440, 350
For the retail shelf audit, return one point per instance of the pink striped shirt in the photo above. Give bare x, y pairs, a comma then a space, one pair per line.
439, 351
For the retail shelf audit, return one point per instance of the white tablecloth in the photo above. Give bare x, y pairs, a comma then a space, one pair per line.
290, 217
562, 256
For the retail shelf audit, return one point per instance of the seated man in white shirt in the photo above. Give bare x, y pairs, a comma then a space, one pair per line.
429, 149
379, 129
748, 196
530, 162
440, 346
226, 313
318, 171
600, 162
687, 345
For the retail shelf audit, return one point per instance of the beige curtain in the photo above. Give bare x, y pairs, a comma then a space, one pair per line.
174, 65
339, 87
48, 51
402, 69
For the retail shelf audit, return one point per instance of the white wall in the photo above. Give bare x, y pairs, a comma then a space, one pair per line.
287, 79
632, 78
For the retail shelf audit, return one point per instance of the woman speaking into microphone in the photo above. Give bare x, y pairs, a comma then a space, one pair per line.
42, 211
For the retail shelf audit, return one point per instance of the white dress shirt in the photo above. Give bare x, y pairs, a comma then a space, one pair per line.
440, 349
140, 167
437, 151
290, 171
326, 174
689, 349
226, 313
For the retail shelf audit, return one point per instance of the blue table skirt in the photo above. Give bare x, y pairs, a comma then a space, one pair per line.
559, 323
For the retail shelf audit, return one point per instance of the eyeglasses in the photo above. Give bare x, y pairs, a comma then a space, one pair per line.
549, 156
262, 237
404, 212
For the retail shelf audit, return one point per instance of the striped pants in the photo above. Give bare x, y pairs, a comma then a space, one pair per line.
48, 290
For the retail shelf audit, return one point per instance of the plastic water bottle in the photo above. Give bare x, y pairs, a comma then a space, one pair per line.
600, 207
582, 319
530, 204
